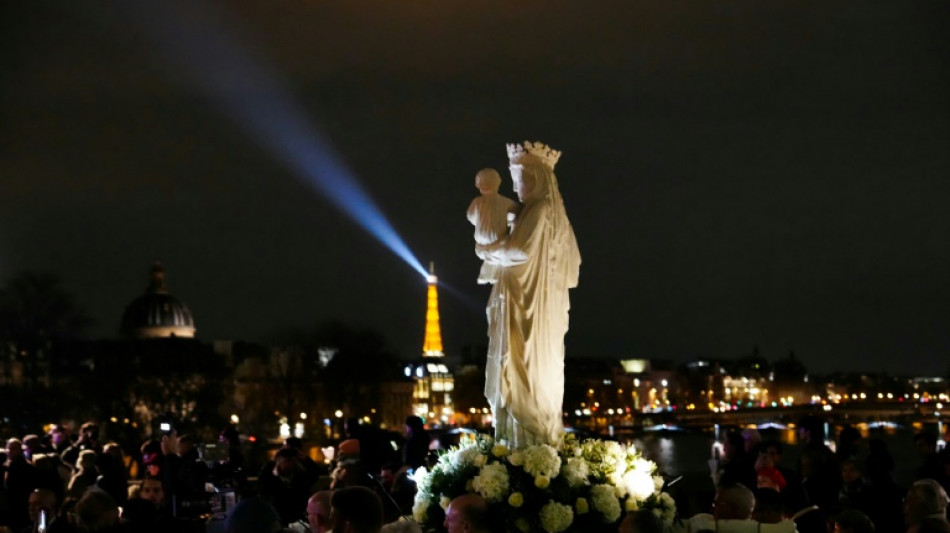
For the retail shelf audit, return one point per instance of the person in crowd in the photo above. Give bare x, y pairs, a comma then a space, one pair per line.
49, 474
767, 473
395, 480
20, 480
151, 451
852, 521
768, 506
468, 514
732, 511
58, 439
356, 510
751, 441
253, 516
350, 471
930, 467
153, 491
112, 475
931, 525
313, 469
739, 466
286, 485
774, 450
96, 512
374, 449
854, 490
86, 474
150, 509
885, 498
416, 449
818, 466
925, 499
640, 522
192, 471
348, 449
879, 466
229, 472
88, 440
230, 436
318, 511
848, 445
808, 517
44, 509
32, 446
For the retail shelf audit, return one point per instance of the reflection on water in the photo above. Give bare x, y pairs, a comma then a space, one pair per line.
687, 452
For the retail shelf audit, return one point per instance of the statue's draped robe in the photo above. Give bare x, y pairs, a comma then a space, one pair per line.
528, 317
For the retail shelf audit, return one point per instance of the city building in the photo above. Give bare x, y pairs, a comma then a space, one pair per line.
157, 314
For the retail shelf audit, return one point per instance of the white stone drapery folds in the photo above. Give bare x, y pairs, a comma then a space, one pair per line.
528, 312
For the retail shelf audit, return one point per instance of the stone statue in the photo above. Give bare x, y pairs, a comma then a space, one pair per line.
528, 307
491, 214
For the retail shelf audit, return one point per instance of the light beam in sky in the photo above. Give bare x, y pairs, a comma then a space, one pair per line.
242, 88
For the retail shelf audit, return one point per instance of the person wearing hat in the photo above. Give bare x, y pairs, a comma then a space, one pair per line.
349, 449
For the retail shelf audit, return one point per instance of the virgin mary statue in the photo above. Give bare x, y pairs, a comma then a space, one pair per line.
528, 308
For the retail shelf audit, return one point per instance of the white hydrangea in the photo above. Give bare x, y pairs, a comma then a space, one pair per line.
492, 482
575, 471
605, 502
616, 479
469, 456
556, 517
421, 478
616, 453
419, 509
668, 507
447, 462
541, 460
639, 484
644, 465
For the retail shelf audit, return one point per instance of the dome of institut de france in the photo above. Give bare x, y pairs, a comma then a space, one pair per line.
157, 313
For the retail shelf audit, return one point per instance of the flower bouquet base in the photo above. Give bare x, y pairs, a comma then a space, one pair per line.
577, 486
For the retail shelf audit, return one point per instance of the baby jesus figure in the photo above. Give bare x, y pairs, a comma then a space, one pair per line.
492, 214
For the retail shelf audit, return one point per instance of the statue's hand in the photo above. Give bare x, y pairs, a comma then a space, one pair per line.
485, 251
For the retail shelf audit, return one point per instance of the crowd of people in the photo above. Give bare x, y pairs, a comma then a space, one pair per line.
851, 489
55, 484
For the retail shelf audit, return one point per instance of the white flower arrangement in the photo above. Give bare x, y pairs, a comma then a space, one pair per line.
576, 487
492, 482
556, 517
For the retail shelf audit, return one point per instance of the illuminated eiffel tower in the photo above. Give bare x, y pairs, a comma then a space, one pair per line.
432, 345
432, 396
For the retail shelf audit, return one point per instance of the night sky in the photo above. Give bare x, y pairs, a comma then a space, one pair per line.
738, 174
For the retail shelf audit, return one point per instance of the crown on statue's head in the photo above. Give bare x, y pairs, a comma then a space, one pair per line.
545, 153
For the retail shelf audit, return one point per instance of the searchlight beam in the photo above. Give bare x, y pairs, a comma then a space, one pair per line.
248, 93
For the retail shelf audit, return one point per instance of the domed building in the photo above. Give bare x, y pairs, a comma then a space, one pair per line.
157, 314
